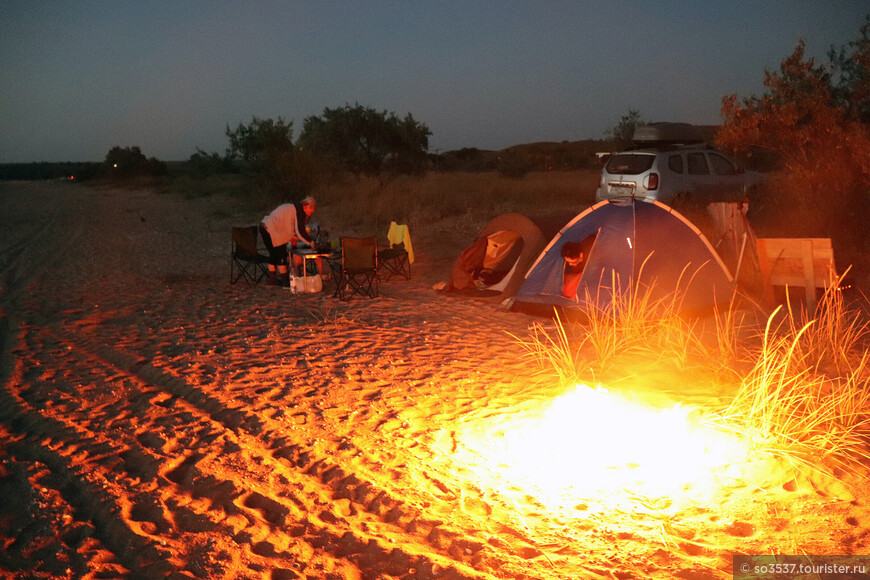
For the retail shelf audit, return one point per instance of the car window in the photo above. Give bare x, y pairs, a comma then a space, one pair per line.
697, 164
722, 165
675, 163
629, 164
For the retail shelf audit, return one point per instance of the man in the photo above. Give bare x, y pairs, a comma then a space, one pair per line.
286, 225
572, 271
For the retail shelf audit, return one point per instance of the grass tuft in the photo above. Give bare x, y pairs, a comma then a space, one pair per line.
787, 410
633, 322
837, 332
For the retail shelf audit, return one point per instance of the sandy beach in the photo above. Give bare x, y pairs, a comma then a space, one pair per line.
158, 422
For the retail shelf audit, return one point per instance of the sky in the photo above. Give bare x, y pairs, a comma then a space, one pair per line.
78, 78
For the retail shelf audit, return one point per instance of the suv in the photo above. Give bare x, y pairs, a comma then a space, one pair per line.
675, 174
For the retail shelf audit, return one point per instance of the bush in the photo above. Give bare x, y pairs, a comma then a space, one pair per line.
365, 141
130, 162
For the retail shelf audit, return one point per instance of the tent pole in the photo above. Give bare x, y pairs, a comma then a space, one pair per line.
740, 257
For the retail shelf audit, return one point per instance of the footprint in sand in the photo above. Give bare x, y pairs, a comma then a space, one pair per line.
740, 529
476, 506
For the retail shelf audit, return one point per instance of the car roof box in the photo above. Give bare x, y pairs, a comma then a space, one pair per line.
667, 134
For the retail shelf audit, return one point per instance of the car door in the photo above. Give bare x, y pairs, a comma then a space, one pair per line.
675, 180
729, 178
698, 174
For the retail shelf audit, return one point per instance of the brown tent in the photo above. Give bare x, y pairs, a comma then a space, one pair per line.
494, 264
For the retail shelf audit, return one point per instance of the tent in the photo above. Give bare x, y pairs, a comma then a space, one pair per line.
494, 264
629, 242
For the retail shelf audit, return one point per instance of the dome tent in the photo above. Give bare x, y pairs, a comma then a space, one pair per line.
631, 242
494, 264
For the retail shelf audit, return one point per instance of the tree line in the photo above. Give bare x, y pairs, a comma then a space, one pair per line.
120, 163
354, 139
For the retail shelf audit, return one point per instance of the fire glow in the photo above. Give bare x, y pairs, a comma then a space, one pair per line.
593, 442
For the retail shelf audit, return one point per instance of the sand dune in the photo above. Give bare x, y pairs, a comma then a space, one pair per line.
158, 422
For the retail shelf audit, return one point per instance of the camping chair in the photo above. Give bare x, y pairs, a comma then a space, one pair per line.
246, 261
358, 270
397, 258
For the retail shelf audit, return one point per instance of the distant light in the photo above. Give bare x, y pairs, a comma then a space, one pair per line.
629, 242
115, 165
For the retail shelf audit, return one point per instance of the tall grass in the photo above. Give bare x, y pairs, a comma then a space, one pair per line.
368, 203
620, 319
730, 328
787, 409
558, 352
835, 333
639, 319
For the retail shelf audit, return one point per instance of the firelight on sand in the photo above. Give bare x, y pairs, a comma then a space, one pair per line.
591, 443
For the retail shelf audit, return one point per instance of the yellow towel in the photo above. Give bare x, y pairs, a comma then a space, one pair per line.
399, 234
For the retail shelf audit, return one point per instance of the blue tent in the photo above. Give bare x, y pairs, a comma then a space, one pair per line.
627, 243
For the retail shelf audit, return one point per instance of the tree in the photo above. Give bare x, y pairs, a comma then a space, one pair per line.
203, 164
265, 146
623, 133
262, 143
850, 72
130, 161
363, 140
819, 142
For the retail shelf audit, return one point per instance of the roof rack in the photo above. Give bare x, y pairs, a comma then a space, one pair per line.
662, 134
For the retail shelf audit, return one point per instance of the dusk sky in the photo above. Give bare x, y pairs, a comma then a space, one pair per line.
78, 78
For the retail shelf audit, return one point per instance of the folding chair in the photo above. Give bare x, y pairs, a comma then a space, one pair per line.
397, 258
246, 261
358, 270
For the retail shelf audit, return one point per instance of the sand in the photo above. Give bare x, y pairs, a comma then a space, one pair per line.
159, 422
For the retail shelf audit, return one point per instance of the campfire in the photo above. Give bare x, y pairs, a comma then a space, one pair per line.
594, 443
619, 448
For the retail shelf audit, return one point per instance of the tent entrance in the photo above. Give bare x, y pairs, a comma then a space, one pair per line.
488, 263
502, 250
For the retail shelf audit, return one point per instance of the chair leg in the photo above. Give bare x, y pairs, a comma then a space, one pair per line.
237, 272
396, 266
252, 272
346, 285
338, 278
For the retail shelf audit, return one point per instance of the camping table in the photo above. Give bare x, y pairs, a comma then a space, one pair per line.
307, 253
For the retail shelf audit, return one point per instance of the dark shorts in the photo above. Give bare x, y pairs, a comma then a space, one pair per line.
277, 256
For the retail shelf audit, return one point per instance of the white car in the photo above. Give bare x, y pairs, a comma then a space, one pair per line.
675, 173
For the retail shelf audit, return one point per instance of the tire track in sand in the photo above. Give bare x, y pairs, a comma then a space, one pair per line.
287, 527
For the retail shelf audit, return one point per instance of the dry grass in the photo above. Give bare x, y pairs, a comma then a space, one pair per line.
631, 323
731, 326
835, 334
366, 204
808, 394
787, 409
560, 354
